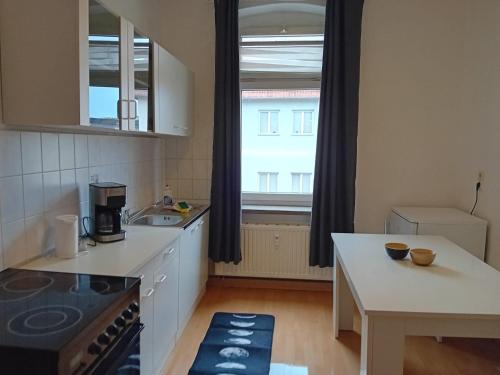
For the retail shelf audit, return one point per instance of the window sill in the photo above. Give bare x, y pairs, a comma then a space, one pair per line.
250, 208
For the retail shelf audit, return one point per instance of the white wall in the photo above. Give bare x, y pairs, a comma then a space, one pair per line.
429, 109
409, 95
478, 147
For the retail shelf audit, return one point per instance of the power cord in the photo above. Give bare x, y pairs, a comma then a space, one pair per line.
478, 186
87, 235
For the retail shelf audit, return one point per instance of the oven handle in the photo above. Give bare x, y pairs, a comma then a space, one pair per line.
113, 357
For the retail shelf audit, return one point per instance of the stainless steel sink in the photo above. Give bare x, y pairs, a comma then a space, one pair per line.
162, 217
158, 220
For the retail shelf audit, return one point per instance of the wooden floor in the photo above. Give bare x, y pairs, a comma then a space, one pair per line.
303, 336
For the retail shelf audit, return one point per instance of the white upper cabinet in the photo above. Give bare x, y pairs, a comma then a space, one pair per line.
77, 63
174, 85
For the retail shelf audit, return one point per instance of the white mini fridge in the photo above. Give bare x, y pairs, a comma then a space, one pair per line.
467, 231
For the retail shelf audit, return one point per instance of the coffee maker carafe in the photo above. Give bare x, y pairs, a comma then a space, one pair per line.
106, 202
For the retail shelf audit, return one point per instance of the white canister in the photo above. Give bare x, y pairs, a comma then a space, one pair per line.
66, 233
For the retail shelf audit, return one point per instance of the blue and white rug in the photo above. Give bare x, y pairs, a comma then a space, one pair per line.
236, 344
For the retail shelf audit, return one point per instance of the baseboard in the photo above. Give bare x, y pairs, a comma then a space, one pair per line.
261, 283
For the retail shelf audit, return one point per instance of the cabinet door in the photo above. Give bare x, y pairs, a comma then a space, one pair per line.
140, 78
187, 273
108, 74
147, 318
204, 224
166, 310
175, 91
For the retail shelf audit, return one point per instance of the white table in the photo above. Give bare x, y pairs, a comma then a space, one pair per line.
457, 296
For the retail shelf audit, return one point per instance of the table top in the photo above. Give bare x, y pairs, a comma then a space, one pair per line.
457, 283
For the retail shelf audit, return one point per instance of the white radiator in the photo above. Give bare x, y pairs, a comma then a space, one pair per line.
274, 251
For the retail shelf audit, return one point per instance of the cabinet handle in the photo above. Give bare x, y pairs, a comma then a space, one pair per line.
162, 279
135, 109
119, 109
149, 293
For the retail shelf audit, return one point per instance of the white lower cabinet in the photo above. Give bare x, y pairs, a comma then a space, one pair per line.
193, 270
172, 283
165, 316
159, 301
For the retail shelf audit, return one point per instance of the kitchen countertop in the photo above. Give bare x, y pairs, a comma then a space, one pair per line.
121, 258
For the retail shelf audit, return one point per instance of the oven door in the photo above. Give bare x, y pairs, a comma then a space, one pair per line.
124, 356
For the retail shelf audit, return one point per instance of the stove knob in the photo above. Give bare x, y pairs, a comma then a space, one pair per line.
128, 314
94, 349
104, 339
134, 307
120, 322
112, 330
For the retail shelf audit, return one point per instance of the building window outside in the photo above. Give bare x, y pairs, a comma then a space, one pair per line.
269, 122
303, 122
268, 182
301, 183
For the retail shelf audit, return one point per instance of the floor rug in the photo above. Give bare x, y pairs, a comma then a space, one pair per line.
236, 344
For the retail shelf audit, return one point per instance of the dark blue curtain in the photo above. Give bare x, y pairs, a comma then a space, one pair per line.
225, 212
335, 169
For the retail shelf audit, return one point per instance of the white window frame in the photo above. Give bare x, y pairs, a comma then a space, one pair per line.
301, 181
276, 83
268, 180
268, 130
302, 121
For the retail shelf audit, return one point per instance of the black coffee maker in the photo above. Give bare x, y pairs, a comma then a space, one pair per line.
106, 202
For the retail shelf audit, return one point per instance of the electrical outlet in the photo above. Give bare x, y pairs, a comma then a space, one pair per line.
94, 178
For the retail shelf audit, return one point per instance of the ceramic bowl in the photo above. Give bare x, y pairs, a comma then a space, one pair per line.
397, 250
422, 257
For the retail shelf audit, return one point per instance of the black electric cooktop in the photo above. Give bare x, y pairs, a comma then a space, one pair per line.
46, 310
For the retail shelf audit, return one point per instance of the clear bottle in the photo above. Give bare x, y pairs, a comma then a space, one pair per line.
168, 197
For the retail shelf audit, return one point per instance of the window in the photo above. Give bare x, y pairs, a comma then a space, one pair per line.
303, 122
301, 183
268, 182
285, 155
280, 75
269, 123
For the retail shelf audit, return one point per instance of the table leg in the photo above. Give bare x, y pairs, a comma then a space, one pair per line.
382, 346
343, 303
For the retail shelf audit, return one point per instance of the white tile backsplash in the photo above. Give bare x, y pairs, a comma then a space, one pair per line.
51, 190
31, 152
10, 154
33, 194
81, 151
43, 175
14, 242
67, 151
11, 198
50, 152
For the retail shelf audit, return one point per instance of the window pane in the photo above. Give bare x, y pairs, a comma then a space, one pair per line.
143, 82
282, 154
264, 122
263, 182
306, 183
104, 66
295, 183
274, 123
273, 182
297, 118
308, 122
